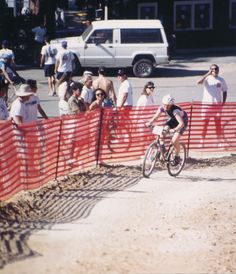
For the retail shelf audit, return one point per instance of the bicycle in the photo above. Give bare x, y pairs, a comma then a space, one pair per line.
119, 135
153, 155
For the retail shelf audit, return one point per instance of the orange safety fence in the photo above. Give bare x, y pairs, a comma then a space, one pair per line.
34, 154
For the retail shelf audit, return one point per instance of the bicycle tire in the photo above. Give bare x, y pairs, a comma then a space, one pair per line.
173, 168
229, 130
150, 158
119, 140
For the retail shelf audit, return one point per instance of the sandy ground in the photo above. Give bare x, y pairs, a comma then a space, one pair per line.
110, 220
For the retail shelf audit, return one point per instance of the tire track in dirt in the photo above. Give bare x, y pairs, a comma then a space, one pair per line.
71, 198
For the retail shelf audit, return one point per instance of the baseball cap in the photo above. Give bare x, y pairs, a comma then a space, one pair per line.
87, 72
5, 43
121, 72
102, 69
64, 44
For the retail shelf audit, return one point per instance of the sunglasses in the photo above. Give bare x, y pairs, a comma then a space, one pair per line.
151, 87
99, 94
214, 69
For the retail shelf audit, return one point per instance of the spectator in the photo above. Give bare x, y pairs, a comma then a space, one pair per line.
100, 95
18, 111
76, 103
39, 34
62, 94
6, 50
106, 85
48, 59
9, 73
64, 63
85, 74
125, 91
214, 94
146, 98
60, 17
4, 114
88, 91
33, 104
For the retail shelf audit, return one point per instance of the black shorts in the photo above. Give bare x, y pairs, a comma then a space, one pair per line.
63, 74
49, 70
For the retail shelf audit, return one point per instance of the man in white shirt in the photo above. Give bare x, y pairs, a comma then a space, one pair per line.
64, 63
214, 95
18, 111
33, 104
125, 91
48, 60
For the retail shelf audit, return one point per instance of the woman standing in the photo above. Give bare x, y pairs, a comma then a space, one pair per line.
146, 98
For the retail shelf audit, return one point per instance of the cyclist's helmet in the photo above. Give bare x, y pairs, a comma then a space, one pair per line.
168, 100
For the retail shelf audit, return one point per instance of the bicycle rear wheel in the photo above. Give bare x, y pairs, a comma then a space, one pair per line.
174, 168
150, 159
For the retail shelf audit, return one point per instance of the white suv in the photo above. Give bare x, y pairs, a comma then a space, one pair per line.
140, 44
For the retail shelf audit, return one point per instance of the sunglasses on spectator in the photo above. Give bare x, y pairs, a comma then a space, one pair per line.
214, 69
151, 87
99, 94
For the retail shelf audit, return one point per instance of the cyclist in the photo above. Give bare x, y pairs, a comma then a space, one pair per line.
177, 119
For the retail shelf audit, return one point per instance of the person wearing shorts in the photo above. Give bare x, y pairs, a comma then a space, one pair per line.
48, 60
177, 119
64, 63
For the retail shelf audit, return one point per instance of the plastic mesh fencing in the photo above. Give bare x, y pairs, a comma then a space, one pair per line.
34, 154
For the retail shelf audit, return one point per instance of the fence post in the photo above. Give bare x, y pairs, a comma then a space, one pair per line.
99, 137
190, 125
58, 149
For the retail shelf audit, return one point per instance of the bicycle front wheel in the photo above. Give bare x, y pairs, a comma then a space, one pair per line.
150, 159
174, 168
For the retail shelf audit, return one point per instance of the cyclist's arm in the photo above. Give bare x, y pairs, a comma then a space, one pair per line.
156, 116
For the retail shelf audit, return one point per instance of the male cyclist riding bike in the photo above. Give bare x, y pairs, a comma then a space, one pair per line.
177, 119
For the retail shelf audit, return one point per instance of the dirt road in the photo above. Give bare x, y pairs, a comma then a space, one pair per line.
110, 220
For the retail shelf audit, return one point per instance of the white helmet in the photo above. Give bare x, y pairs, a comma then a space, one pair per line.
168, 100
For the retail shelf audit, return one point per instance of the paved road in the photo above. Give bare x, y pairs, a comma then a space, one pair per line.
178, 78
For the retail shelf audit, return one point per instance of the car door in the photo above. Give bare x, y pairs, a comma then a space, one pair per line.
99, 49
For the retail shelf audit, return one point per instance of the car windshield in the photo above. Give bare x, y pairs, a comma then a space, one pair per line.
86, 32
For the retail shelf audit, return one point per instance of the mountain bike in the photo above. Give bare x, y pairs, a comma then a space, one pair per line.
154, 156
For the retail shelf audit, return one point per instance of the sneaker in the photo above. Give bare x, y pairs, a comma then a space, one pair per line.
176, 160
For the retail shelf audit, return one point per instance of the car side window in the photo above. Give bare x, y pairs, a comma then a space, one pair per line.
137, 36
101, 36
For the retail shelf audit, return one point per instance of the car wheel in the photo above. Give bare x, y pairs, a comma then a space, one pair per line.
143, 68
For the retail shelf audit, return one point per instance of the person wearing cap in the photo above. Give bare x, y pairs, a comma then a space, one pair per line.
85, 74
33, 104
4, 114
9, 73
177, 119
88, 91
5, 49
125, 91
48, 60
107, 85
18, 111
64, 63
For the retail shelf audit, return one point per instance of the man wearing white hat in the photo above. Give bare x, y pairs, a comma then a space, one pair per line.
18, 111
